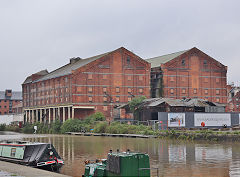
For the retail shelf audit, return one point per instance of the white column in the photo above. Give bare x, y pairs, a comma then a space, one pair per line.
54, 115
41, 116
32, 116
63, 114
59, 113
29, 116
49, 115
37, 117
72, 113
45, 115
69, 113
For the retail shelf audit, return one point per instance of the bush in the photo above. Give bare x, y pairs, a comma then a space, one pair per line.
2, 127
71, 125
100, 127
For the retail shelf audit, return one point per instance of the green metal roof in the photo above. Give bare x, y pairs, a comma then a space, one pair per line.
157, 61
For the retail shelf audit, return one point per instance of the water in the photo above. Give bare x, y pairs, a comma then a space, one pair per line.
171, 157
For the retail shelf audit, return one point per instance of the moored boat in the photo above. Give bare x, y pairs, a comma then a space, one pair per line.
39, 155
119, 164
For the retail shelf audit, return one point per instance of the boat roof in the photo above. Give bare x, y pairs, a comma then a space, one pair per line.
17, 143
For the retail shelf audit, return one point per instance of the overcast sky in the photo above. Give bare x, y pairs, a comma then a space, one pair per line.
44, 34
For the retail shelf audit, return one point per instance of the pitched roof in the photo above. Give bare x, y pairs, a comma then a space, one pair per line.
16, 95
41, 73
67, 69
157, 61
152, 102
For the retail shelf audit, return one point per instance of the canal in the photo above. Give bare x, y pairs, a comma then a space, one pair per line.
171, 157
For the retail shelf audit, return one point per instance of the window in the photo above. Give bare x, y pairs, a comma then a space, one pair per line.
66, 79
195, 91
140, 90
90, 98
140, 78
105, 108
171, 79
105, 99
104, 76
129, 98
117, 99
129, 90
104, 89
217, 100
183, 62
90, 76
171, 91
129, 78
206, 91
217, 80
183, 79
117, 89
205, 79
79, 89
5, 106
13, 152
205, 62
90, 89
128, 60
183, 90
217, 92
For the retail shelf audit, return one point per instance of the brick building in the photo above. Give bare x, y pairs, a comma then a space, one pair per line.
85, 86
188, 74
233, 102
8, 99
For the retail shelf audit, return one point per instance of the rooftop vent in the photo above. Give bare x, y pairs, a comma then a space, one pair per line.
74, 60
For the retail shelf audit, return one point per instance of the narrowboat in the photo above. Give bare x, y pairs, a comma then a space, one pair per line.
119, 164
33, 154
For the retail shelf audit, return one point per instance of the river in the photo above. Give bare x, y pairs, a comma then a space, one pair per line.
171, 157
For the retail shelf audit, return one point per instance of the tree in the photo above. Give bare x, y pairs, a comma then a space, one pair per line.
133, 105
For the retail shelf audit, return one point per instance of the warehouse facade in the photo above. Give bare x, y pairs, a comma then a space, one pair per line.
188, 74
8, 99
85, 86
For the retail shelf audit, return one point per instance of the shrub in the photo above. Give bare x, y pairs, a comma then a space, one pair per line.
2, 127
100, 127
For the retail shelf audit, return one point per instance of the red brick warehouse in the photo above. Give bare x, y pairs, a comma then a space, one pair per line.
188, 74
85, 86
8, 99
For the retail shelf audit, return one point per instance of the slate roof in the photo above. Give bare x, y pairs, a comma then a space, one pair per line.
68, 68
29, 78
16, 95
152, 102
157, 61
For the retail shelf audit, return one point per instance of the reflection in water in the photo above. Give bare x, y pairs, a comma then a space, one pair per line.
172, 158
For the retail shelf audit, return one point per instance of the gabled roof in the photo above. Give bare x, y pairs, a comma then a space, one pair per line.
16, 95
157, 61
67, 69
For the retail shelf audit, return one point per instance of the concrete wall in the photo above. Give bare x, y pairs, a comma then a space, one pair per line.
190, 118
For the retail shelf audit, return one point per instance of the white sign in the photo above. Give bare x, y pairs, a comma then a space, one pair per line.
176, 119
239, 119
212, 119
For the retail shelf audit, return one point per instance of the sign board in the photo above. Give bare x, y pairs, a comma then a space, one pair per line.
176, 119
212, 119
239, 119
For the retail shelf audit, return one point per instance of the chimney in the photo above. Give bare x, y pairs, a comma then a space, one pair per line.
8, 93
74, 60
